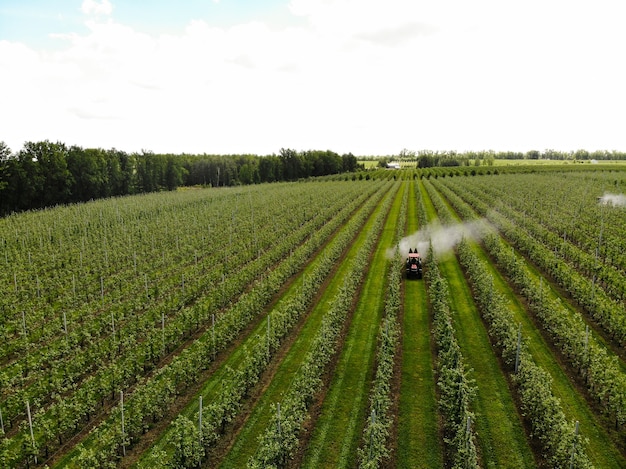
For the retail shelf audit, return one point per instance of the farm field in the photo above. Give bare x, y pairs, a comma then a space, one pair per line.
272, 325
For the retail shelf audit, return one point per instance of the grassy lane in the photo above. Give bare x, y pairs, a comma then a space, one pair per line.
338, 430
246, 441
601, 450
419, 441
501, 437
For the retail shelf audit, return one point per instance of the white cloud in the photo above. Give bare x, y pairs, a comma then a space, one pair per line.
358, 76
92, 7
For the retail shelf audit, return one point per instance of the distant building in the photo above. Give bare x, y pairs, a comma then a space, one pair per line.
393, 165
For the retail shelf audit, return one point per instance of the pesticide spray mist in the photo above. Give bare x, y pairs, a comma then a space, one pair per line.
617, 200
443, 238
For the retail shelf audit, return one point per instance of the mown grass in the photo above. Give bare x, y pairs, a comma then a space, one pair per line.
246, 441
419, 442
337, 433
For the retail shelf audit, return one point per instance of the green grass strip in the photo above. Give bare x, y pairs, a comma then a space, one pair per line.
338, 430
419, 441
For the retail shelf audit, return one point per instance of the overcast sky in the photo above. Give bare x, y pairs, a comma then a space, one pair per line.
369, 77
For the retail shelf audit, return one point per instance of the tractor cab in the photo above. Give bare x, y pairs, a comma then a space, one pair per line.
414, 264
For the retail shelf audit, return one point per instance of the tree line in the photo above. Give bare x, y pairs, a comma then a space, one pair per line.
428, 159
44, 174
431, 158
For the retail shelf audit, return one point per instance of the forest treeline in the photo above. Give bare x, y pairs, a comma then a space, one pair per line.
432, 159
44, 174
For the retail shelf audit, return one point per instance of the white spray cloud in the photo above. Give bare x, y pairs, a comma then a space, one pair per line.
443, 238
617, 200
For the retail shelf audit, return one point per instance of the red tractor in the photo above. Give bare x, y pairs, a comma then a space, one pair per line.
414, 264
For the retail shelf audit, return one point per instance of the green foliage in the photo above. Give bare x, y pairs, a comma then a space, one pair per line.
281, 436
374, 448
44, 173
89, 364
599, 367
113, 270
539, 405
188, 449
456, 389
